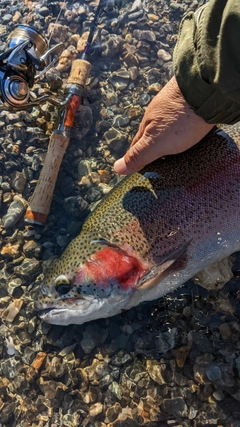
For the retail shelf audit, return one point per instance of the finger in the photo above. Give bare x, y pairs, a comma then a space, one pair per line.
138, 156
138, 135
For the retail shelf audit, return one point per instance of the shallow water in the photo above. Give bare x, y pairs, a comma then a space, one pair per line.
172, 362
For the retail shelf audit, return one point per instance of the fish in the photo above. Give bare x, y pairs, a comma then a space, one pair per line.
151, 233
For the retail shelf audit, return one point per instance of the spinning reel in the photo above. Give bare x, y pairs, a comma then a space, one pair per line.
25, 60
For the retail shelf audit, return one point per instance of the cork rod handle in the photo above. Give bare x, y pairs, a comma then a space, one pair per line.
40, 202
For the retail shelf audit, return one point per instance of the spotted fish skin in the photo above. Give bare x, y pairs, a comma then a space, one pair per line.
155, 230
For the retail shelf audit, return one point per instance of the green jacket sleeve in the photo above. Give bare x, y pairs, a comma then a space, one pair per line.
206, 61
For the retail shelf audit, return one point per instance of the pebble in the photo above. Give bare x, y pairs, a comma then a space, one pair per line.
5, 186
156, 371
19, 181
162, 54
12, 310
75, 205
32, 249
115, 139
175, 406
121, 121
115, 389
94, 194
66, 58
28, 267
120, 79
95, 409
6, 18
15, 211
44, 11
58, 32
144, 99
146, 35
213, 372
10, 250
62, 240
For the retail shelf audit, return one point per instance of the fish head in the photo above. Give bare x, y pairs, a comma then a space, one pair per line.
97, 286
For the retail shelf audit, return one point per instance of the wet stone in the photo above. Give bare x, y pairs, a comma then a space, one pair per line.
12, 310
58, 32
111, 99
166, 340
175, 406
156, 371
18, 181
175, 6
13, 286
213, 372
146, 35
97, 370
84, 168
112, 44
11, 250
144, 99
133, 73
42, 404
225, 331
15, 211
130, 60
115, 139
28, 267
121, 358
91, 338
54, 79
164, 55
154, 88
120, 121
94, 194
7, 412
7, 198
10, 367
95, 409
119, 79
71, 420
28, 355
75, 205
32, 249
5, 186
44, 11
115, 389
6, 18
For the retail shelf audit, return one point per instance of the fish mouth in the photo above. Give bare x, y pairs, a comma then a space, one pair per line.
50, 312
46, 311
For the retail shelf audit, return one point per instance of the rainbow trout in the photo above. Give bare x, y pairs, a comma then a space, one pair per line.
155, 230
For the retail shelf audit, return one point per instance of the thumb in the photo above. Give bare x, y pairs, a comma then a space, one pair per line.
138, 156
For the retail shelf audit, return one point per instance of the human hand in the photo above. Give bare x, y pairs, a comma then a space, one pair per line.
169, 126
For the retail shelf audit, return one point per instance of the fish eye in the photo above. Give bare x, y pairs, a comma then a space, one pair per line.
62, 285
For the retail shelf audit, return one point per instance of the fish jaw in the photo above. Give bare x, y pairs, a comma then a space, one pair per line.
84, 310
101, 287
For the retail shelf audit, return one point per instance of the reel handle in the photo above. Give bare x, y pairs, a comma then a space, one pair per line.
40, 202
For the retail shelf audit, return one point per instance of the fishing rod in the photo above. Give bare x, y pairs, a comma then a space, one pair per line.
24, 61
40, 202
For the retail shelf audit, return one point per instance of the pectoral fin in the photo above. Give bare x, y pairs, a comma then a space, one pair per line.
174, 261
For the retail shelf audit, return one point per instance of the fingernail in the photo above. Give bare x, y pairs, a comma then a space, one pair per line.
120, 166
